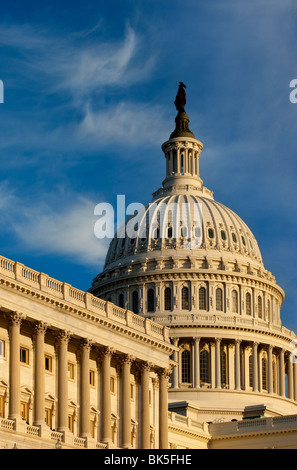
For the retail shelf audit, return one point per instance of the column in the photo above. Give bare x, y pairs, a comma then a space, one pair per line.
282, 387
39, 392
145, 441
126, 361
197, 362
295, 378
255, 368
231, 369
106, 401
14, 365
163, 409
212, 365
218, 362
237, 365
84, 409
246, 368
63, 339
175, 372
270, 369
290, 380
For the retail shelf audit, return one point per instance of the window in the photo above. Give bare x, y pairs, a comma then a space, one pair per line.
1, 406
112, 384
219, 299
48, 363
234, 301
204, 367
186, 366
150, 300
167, 298
48, 417
185, 298
156, 233
197, 232
202, 298
234, 238
24, 411
264, 373
121, 300
131, 391
251, 370
210, 233
24, 355
169, 232
223, 367
248, 301
260, 310
2, 348
184, 232
243, 240
92, 428
70, 423
70, 370
223, 235
135, 302
92, 378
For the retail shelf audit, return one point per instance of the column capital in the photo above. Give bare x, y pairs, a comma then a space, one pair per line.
86, 343
126, 359
63, 336
16, 318
106, 351
40, 328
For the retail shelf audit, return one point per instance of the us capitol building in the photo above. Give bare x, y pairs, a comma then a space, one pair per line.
177, 344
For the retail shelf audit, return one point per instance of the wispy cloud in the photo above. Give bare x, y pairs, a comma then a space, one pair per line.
57, 225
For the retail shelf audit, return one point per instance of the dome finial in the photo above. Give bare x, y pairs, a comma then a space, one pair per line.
181, 120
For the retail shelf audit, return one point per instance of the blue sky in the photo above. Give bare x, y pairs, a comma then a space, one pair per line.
88, 101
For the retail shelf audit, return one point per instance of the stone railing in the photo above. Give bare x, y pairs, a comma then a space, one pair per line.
83, 300
253, 425
186, 422
235, 320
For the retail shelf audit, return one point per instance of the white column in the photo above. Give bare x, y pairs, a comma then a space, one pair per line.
282, 388
218, 362
237, 364
39, 392
197, 362
255, 368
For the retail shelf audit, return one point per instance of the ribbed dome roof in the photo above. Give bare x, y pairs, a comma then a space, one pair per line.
197, 224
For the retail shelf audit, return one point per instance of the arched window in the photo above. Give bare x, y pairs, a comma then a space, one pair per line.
234, 301
186, 366
260, 309
202, 298
264, 373
185, 298
135, 302
150, 300
121, 300
219, 299
167, 298
248, 302
204, 367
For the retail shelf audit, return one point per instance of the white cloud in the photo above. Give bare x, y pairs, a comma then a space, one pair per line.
54, 227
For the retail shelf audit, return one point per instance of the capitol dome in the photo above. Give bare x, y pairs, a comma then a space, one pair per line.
190, 263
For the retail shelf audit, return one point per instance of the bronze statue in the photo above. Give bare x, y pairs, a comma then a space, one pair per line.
181, 98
